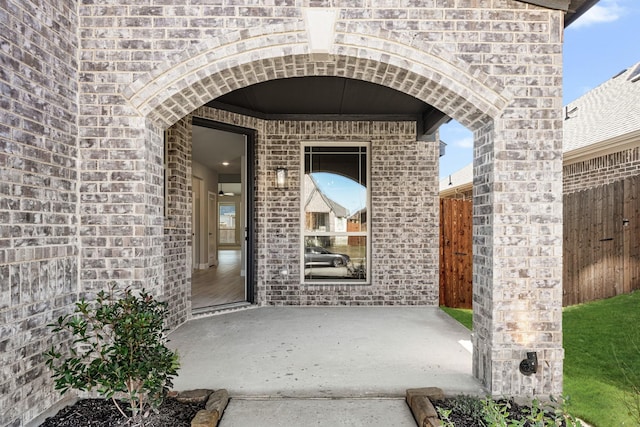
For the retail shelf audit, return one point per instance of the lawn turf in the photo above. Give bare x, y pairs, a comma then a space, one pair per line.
462, 315
601, 338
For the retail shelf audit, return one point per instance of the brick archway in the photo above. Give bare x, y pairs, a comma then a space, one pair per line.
218, 66
461, 90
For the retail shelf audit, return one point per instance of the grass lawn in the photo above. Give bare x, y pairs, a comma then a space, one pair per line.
599, 338
462, 315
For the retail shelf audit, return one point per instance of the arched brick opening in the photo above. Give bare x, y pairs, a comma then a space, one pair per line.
422, 70
219, 66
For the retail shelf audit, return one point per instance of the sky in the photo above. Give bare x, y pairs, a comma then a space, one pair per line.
345, 191
601, 43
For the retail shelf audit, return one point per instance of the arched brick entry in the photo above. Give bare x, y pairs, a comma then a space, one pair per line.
505, 326
217, 67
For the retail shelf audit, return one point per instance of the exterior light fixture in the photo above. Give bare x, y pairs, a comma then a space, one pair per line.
282, 176
625, 222
529, 365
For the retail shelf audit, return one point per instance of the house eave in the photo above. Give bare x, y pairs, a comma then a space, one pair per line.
550, 4
602, 148
462, 188
573, 8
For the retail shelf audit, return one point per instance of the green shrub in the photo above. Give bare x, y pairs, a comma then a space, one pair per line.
487, 412
118, 347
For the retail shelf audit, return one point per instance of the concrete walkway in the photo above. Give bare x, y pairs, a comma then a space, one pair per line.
306, 358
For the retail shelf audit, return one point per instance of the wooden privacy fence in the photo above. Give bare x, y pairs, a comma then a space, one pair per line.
601, 249
456, 247
601, 253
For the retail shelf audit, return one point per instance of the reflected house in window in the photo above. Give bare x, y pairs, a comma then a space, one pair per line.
357, 222
323, 214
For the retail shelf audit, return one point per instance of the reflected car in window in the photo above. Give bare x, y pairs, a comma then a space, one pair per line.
315, 255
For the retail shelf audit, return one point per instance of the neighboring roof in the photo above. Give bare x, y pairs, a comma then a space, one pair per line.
604, 120
457, 181
605, 117
339, 210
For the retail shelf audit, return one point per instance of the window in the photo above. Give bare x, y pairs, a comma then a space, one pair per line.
335, 202
227, 231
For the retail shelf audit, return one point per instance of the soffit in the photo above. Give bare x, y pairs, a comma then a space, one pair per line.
573, 8
324, 97
331, 98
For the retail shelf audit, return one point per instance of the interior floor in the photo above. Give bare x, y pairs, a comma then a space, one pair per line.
219, 285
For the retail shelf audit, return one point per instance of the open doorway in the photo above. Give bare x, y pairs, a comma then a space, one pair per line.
221, 166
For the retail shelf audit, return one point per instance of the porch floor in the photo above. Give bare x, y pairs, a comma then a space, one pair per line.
315, 352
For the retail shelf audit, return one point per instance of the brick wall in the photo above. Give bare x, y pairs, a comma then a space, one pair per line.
38, 195
404, 212
136, 69
601, 170
403, 219
177, 222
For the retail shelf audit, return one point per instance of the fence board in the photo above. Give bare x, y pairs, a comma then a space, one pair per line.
631, 232
456, 253
601, 256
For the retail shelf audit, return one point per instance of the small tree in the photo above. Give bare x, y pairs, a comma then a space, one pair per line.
118, 347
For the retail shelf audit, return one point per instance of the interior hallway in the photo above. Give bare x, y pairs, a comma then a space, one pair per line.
219, 285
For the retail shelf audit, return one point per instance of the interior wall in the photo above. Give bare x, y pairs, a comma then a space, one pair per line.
209, 179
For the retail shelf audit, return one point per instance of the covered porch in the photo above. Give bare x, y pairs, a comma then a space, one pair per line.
325, 352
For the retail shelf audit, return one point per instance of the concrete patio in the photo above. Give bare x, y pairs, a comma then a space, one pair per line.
289, 363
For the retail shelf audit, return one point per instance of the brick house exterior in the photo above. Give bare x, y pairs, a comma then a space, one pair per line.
602, 133
601, 149
89, 89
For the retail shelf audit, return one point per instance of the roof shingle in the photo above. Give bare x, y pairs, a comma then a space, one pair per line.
609, 111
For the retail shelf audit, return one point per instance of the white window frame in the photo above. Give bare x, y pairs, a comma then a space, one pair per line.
366, 234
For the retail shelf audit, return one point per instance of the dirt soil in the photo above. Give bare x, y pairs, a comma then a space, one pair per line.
103, 413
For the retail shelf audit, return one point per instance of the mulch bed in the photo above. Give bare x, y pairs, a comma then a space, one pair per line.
466, 412
103, 413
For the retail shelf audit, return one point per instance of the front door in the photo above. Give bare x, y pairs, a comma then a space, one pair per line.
224, 156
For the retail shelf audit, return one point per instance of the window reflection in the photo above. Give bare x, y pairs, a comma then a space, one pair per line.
335, 213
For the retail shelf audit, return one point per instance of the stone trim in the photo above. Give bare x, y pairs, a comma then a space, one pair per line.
436, 76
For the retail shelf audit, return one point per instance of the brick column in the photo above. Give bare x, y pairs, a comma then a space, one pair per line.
121, 200
177, 225
518, 252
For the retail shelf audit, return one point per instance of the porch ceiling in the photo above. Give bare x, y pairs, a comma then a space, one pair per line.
329, 98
